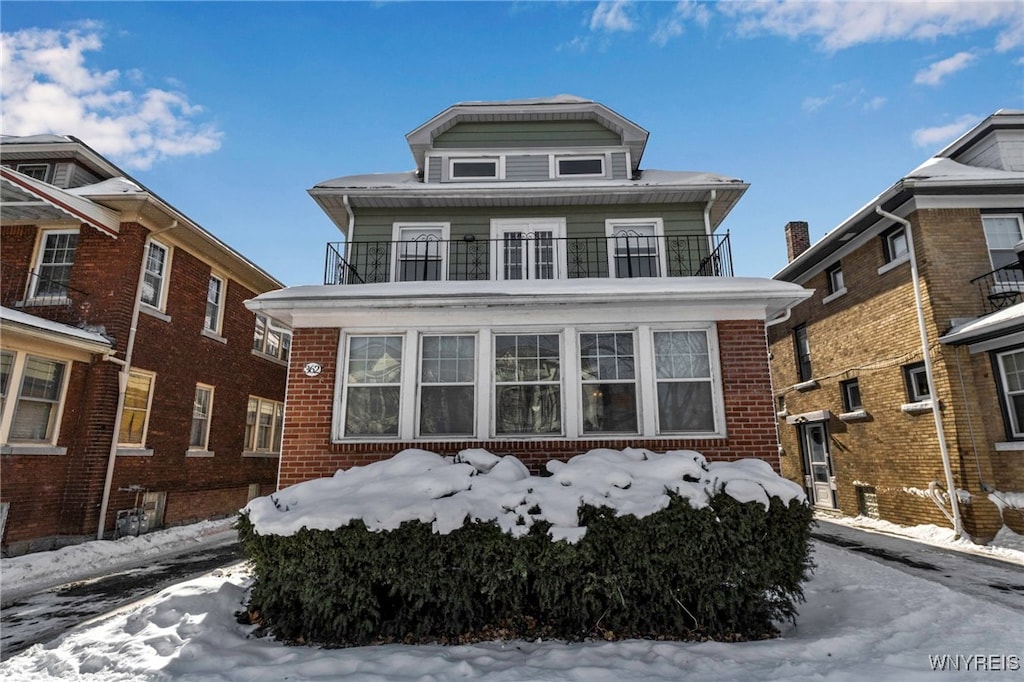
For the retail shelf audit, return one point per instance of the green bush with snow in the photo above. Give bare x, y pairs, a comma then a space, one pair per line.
612, 544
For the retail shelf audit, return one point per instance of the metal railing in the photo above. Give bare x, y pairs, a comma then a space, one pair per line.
1001, 287
43, 296
528, 256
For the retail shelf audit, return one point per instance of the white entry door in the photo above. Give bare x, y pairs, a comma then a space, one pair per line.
818, 463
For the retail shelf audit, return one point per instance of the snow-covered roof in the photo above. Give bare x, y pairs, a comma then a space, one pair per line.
1005, 321
33, 139
119, 185
710, 293
56, 331
26, 198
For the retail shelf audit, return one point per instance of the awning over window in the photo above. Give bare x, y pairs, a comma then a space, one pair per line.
25, 198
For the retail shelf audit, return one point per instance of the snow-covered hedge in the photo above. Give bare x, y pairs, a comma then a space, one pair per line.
611, 543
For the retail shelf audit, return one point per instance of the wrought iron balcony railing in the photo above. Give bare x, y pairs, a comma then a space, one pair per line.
1002, 287
45, 296
528, 256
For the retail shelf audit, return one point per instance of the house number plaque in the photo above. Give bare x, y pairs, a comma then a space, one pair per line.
312, 369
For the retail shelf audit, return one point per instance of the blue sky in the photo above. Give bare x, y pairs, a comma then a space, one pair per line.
230, 111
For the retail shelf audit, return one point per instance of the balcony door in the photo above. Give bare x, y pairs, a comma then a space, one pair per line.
635, 248
528, 249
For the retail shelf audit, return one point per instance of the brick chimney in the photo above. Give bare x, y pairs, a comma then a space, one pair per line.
798, 239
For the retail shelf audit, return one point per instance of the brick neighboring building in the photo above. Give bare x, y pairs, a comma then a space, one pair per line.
854, 401
529, 290
99, 271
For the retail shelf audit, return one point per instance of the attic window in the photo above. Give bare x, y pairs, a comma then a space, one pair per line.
581, 166
473, 169
38, 171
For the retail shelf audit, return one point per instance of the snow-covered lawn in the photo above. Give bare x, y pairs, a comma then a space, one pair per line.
862, 619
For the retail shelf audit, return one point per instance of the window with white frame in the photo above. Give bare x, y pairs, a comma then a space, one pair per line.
264, 425
420, 252
682, 364
1002, 233
635, 247
608, 382
527, 384
473, 169
834, 275
214, 304
36, 405
270, 338
894, 244
154, 279
135, 415
579, 166
53, 265
1011, 369
528, 249
447, 385
38, 171
916, 379
373, 379
202, 406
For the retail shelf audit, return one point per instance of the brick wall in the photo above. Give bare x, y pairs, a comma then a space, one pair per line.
308, 452
869, 334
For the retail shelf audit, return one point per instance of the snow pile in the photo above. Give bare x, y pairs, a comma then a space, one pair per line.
476, 485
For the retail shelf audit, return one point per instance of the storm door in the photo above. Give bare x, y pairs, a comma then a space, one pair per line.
817, 463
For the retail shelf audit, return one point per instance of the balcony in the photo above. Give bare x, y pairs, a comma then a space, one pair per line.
527, 257
1001, 288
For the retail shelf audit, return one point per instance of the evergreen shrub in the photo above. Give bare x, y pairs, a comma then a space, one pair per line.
728, 571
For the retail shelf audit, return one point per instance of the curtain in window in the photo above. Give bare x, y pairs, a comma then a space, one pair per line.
447, 390
136, 405
683, 370
374, 375
608, 383
528, 384
36, 411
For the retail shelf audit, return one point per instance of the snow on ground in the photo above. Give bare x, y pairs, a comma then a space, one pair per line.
30, 573
862, 620
1006, 545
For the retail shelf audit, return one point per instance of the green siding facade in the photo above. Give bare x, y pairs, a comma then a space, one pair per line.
523, 134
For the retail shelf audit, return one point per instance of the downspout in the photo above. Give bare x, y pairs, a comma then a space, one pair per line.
926, 352
122, 380
351, 218
707, 222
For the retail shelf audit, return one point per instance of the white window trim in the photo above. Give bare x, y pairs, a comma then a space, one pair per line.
838, 293
419, 388
1004, 216
443, 245
570, 382
37, 259
612, 224
249, 448
1006, 395
47, 176
141, 446
499, 167
566, 415
578, 399
893, 264
205, 447
554, 171
165, 277
10, 402
262, 350
499, 226
218, 323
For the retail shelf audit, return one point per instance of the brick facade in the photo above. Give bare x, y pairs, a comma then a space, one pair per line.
55, 499
308, 452
869, 334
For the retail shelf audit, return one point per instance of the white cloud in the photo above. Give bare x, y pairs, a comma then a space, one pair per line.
612, 16
674, 24
812, 104
875, 103
48, 87
935, 73
839, 24
939, 135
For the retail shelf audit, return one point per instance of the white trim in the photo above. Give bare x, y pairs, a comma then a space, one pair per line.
805, 417
211, 335
499, 167
1006, 397
27, 449
1010, 446
153, 312
218, 323
418, 382
443, 243
341, 386
501, 226
13, 397
165, 275
205, 445
199, 453
31, 297
149, 409
555, 171
134, 452
917, 407
578, 385
893, 264
1005, 216
853, 415
838, 293
658, 225
806, 385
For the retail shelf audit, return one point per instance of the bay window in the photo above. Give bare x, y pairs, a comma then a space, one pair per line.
447, 386
527, 384
608, 381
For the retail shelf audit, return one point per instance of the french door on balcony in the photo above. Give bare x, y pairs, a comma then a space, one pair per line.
528, 249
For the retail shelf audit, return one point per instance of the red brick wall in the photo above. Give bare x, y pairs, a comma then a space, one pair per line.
308, 452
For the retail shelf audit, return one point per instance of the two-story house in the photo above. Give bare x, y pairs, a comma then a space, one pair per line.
136, 389
896, 382
530, 290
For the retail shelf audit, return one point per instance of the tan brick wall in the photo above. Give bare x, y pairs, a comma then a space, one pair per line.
869, 334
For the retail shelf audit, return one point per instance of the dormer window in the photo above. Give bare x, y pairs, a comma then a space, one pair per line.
473, 169
38, 171
579, 166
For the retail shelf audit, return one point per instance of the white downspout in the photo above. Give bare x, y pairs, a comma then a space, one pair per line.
122, 381
936, 413
707, 221
351, 218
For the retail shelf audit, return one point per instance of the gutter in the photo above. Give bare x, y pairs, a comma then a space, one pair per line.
958, 529
122, 380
